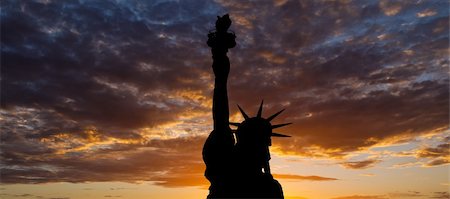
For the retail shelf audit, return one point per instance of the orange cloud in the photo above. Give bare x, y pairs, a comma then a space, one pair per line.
367, 174
299, 177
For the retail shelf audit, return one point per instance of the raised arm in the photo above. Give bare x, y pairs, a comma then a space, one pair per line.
220, 41
218, 148
221, 67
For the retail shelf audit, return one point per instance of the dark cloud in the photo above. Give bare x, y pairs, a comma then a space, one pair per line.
442, 194
364, 164
25, 195
100, 63
439, 155
87, 86
430, 155
438, 162
363, 122
409, 194
438, 151
358, 80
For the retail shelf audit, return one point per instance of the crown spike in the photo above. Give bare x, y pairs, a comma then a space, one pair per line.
260, 109
279, 135
243, 112
279, 125
275, 115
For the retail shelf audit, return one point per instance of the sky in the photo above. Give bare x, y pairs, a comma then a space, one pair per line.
112, 99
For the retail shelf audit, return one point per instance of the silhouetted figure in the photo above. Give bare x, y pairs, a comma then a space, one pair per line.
236, 168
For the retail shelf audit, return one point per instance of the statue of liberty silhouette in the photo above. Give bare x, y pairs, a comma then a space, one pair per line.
236, 168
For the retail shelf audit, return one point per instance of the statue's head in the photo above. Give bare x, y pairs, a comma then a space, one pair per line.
223, 23
256, 132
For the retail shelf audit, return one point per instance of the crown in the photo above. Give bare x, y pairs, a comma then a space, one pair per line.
259, 117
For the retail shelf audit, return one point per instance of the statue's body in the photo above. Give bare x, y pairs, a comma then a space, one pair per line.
236, 169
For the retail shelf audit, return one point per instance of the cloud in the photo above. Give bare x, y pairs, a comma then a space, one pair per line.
439, 155
409, 194
428, 156
26, 195
121, 91
364, 164
364, 96
109, 75
299, 177
361, 197
432, 152
442, 194
437, 162
367, 174
169, 166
